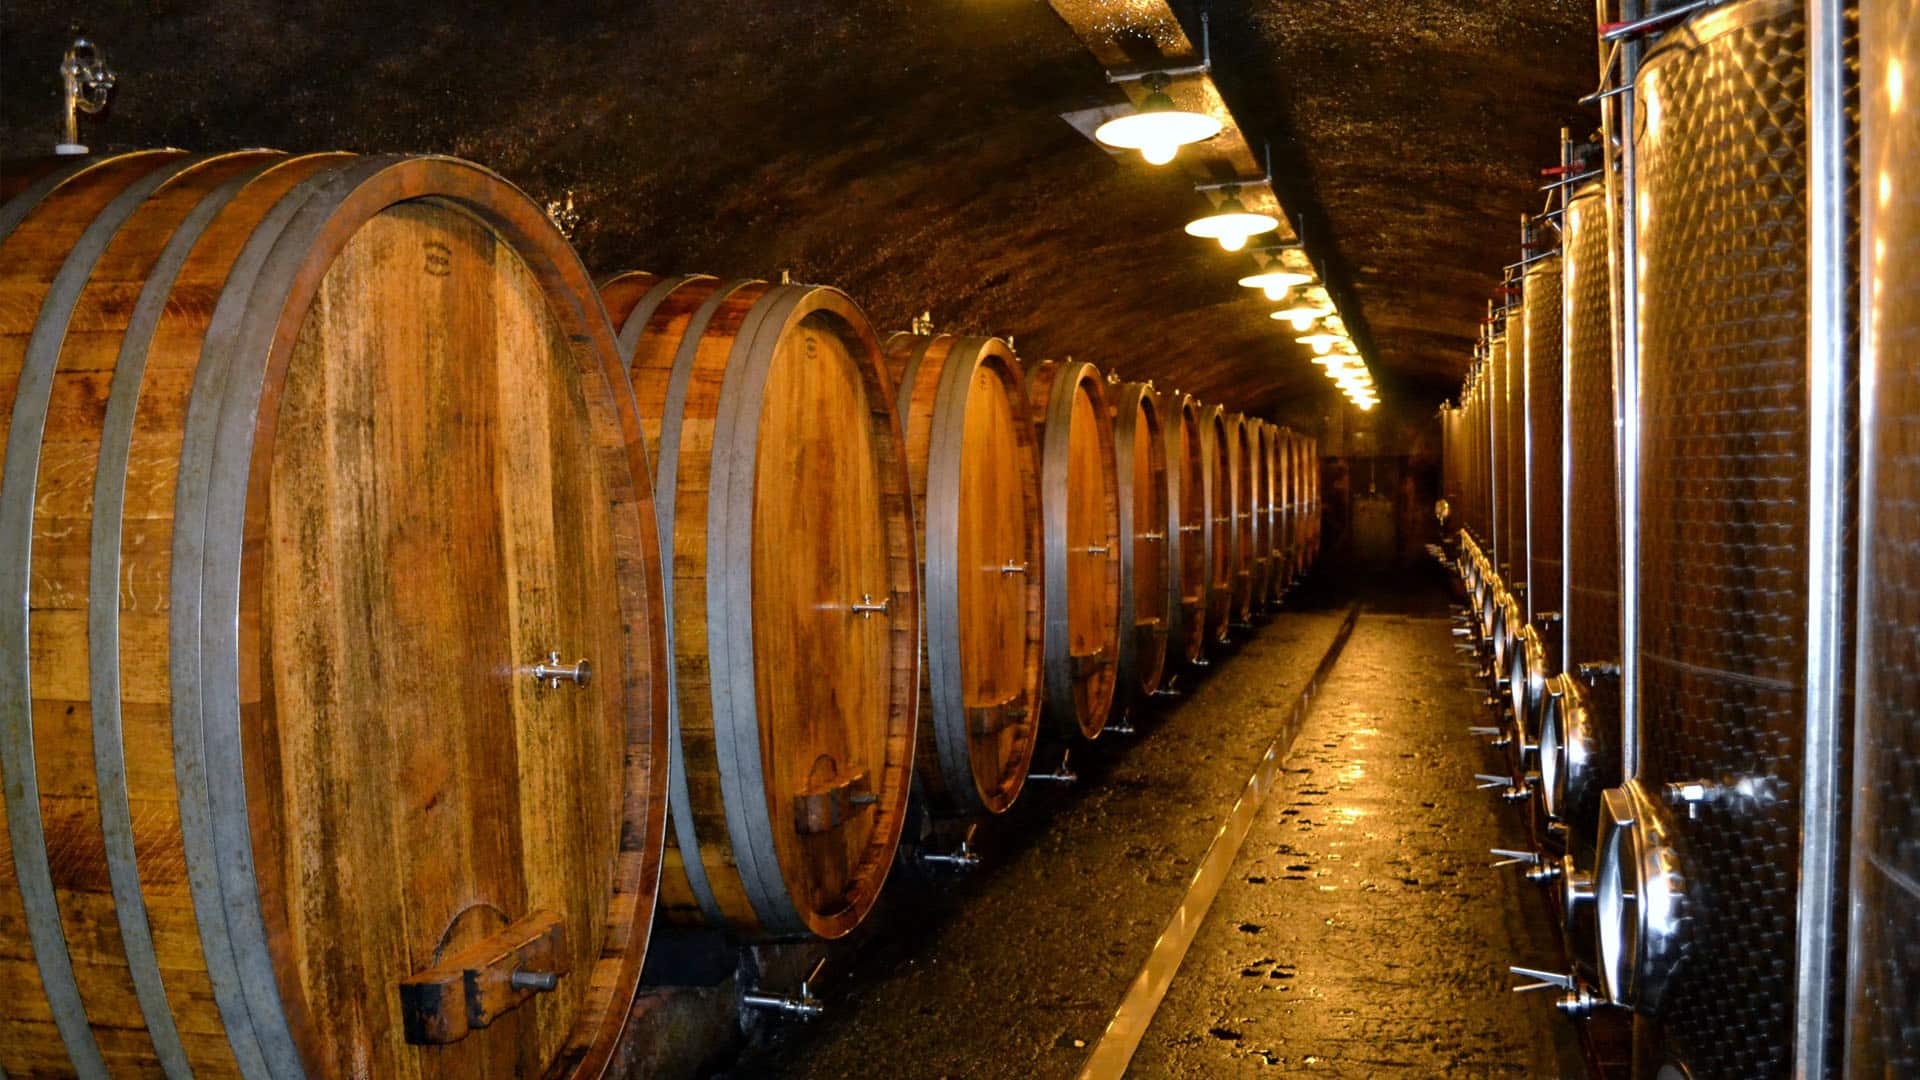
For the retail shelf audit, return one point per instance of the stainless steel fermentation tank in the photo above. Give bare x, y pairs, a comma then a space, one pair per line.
1580, 726
1881, 1035
1699, 855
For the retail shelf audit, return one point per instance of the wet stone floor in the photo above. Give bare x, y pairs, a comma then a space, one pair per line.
1361, 931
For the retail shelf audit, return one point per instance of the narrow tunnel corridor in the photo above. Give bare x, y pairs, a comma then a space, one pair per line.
1360, 931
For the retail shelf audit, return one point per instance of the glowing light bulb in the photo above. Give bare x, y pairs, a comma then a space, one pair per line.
1159, 128
1303, 313
1275, 283
1232, 225
1322, 343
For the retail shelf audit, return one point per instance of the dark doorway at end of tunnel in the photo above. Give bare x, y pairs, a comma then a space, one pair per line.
1420, 587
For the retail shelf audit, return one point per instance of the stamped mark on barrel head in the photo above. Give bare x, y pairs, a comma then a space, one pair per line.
439, 258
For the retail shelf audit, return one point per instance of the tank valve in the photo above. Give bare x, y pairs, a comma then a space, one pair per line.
1503, 787
963, 857
1540, 869
86, 84
1496, 737
801, 1005
1062, 774
1578, 998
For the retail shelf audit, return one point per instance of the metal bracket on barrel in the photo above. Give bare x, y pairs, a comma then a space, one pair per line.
986, 721
1087, 665
475, 986
828, 808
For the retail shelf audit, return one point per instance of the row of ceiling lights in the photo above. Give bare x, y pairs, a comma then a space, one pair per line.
1158, 129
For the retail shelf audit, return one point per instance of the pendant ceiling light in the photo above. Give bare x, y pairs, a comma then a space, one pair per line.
1159, 128
1322, 343
1232, 223
1274, 283
1302, 314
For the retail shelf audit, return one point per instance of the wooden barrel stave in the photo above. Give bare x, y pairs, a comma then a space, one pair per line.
726, 366
971, 458
134, 392
1080, 515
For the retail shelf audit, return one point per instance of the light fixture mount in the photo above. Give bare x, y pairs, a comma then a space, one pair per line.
1205, 66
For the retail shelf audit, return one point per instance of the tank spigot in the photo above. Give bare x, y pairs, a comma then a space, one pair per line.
1577, 1000
1540, 869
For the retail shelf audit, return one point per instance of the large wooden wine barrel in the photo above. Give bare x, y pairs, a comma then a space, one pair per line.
333, 681
1187, 527
793, 604
1080, 512
1140, 453
1241, 546
1215, 458
976, 496
1260, 504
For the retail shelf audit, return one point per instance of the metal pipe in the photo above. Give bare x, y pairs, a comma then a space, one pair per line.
1617, 118
1602, 95
1565, 182
1829, 368
1566, 421
1493, 448
1636, 27
1524, 565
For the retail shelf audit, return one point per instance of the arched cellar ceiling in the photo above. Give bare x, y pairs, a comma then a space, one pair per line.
911, 152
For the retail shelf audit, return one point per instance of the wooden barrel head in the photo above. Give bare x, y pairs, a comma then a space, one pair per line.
367, 456
1261, 503
1216, 451
1080, 512
970, 454
1187, 526
1276, 556
794, 606
1241, 547
1284, 473
1142, 492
